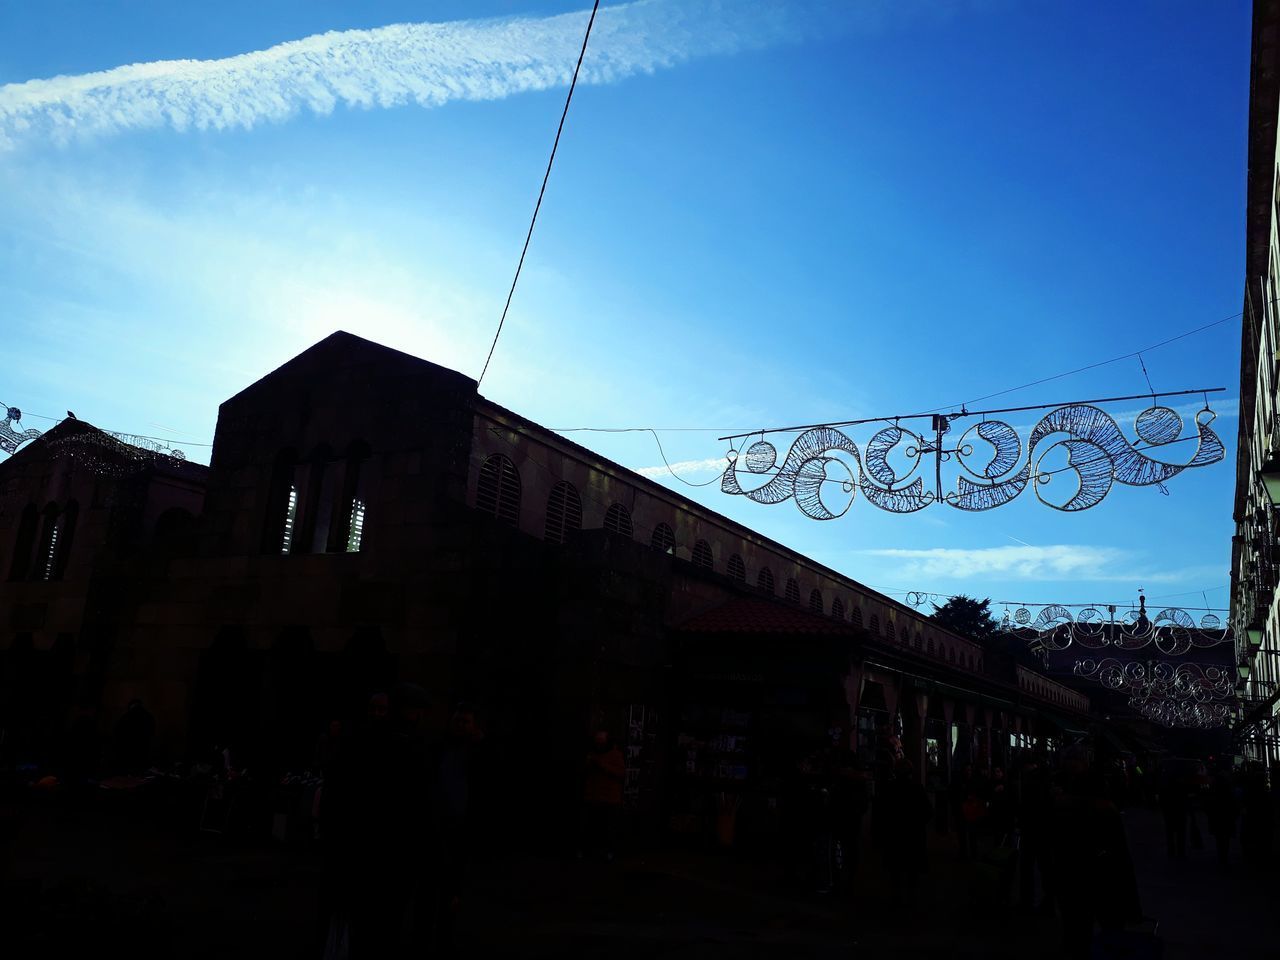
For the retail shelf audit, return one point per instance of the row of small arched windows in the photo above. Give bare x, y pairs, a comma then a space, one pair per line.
498, 493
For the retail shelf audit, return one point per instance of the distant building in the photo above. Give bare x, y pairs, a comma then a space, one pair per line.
1255, 555
368, 517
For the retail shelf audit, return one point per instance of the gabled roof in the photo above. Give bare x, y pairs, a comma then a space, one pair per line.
745, 615
344, 350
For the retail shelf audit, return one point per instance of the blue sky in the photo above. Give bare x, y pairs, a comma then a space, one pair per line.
761, 214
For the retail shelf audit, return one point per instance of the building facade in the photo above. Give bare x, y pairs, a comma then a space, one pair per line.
368, 517
1255, 556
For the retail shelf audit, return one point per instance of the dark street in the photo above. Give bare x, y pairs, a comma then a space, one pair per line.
201, 899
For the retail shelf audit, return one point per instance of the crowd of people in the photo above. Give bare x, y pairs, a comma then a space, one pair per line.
1049, 837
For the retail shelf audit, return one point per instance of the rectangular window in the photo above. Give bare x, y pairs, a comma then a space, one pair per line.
355, 532
290, 519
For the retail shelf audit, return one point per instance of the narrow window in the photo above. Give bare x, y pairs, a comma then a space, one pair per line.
51, 551
564, 513
355, 530
792, 591
856, 616
837, 608
891, 631
764, 581
702, 555
815, 600
498, 490
290, 520
664, 539
930, 646
737, 569
875, 625
617, 519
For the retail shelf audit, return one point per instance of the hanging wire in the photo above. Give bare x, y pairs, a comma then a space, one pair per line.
538, 206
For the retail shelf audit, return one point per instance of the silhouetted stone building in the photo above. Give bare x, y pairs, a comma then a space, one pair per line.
367, 516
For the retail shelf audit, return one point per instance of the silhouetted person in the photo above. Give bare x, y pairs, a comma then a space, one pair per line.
966, 808
328, 748
458, 831
1035, 810
999, 819
1093, 874
898, 821
1220, 807
376, 808
603, 777
1256, 821
850, 799
1173, 805
133, 734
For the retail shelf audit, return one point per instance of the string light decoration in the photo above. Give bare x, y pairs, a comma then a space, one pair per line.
1182, 713
1173, 631
112, 454
1201, 682
824, 468
11, 438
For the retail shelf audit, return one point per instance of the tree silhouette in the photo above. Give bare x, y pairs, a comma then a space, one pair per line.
969, 617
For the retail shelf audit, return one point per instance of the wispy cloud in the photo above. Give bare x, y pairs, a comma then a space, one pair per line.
428, 64
685, 468
1051, 562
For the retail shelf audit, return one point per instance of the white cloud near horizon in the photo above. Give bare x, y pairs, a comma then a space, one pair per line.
427, 64
1049, 562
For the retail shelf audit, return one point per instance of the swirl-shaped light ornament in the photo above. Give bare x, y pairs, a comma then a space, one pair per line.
823, 469
1198, 682
1173, 631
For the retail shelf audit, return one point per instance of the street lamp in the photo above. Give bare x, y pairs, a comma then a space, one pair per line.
1269, 474
1254, 634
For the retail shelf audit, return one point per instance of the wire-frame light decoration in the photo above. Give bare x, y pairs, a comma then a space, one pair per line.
1173, 631
901, 470
12, 436
108, 453
1162, 679
1182, 713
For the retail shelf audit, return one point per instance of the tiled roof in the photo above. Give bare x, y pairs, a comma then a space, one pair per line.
743, 615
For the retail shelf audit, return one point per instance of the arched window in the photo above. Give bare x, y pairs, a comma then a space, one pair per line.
837, 608
564, 513
764, 581
875, 625
25, 541
47, 553
617, 519
930, 650
664, 539
349, 535
815, 600
498, 490
918, 643
891, 631
737, 569
59, 547
284, 503
792, 591
856, 615
951, 654
702, 555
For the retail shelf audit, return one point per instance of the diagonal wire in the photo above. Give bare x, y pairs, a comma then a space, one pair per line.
538, 206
